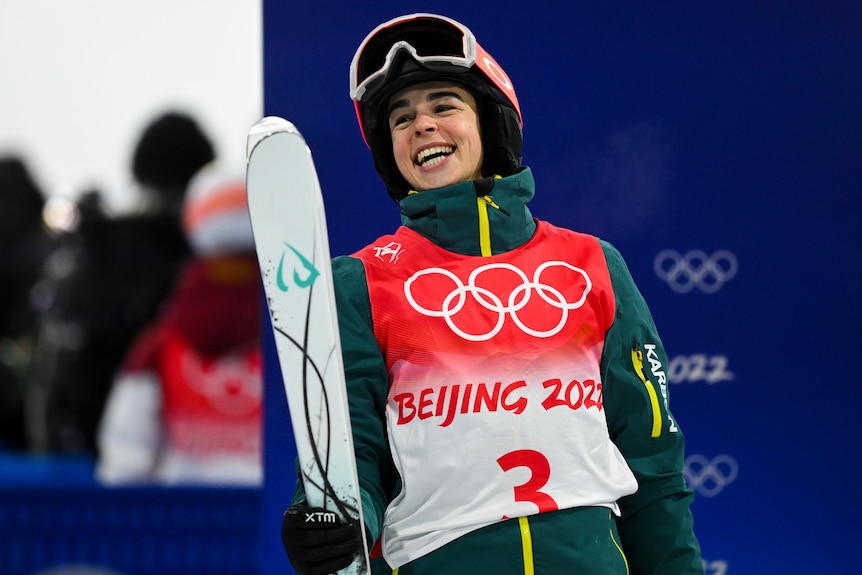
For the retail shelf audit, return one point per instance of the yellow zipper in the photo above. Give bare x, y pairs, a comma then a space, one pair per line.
527, 544
485, 225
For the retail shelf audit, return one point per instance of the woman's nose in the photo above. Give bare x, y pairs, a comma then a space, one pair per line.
424, 123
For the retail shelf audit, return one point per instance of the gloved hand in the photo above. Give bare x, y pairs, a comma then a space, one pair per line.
317, 541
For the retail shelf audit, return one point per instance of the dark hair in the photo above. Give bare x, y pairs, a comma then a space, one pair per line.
169, 152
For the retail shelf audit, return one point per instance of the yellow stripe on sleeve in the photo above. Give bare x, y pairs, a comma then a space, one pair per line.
637, 361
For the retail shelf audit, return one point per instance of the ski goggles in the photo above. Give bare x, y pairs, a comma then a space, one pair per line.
435, 42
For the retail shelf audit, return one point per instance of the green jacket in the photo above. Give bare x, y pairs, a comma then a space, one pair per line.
653, 533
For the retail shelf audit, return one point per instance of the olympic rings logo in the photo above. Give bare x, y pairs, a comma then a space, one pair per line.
517, 299
695, 269
494, 69
710, 477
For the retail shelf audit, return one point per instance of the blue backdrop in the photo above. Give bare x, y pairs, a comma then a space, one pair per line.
719, 146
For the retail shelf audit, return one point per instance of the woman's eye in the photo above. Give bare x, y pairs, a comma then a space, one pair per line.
398, 120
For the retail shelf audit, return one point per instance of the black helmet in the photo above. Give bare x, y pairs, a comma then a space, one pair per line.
425, 47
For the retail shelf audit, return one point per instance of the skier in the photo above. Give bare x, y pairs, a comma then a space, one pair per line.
185, 405
506, 381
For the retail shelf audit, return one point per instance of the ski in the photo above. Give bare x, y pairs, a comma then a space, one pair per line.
290, 234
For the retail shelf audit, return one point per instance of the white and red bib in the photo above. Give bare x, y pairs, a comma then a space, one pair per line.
495, 405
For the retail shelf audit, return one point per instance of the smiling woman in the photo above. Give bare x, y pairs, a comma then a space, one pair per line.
504, 414
436, 135
90, 76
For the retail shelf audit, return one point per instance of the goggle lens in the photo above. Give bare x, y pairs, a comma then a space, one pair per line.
431, 39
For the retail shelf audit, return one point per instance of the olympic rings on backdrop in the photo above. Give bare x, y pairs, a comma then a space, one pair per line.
695, 269
516, 300
709, 477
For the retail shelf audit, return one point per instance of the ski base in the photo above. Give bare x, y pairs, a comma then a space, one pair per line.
291, 239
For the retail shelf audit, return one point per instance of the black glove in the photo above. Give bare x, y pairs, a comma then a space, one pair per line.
317, 541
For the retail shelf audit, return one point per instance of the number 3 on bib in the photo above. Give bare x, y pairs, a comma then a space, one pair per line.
540, 472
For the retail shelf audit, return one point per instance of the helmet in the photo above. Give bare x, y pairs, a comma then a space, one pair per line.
425, 47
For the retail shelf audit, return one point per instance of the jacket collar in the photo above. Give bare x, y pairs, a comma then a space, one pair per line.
450, 216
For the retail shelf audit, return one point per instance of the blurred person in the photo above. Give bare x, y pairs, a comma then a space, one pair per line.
170, 152
107, 280
24, 244
186, 404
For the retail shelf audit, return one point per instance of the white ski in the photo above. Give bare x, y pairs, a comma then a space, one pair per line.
290, 234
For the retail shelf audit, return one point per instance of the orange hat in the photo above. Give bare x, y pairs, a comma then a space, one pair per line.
215, 212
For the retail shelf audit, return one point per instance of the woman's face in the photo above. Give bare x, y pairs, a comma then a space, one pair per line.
435, 132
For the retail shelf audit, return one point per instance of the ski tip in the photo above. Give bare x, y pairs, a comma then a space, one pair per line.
266, 127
